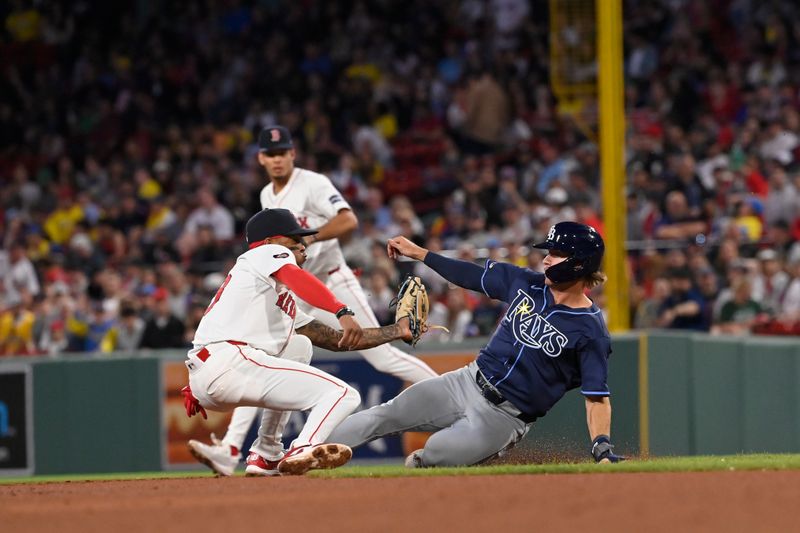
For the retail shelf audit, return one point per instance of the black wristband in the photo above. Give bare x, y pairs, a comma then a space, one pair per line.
601, 447
344, 311
601, 438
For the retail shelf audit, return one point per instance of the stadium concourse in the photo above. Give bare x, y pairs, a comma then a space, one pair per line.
128, 167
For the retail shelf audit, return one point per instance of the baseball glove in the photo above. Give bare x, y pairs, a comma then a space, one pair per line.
412, 302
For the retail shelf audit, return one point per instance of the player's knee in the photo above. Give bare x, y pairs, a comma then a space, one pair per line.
436, 454
435, 457
299, 349
351, 398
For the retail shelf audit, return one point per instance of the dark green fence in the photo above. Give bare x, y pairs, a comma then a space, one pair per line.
700, 395
97, 416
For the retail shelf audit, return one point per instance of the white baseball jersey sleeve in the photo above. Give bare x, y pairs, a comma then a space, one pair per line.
314, 201
253, 307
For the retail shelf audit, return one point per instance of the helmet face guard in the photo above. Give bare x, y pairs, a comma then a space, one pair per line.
584, 248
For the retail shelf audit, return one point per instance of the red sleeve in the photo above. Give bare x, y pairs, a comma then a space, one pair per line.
308, 287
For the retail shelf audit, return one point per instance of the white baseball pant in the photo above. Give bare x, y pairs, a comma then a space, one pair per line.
386, 358
225, 375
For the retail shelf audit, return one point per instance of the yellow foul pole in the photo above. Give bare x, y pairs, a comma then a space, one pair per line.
612, 145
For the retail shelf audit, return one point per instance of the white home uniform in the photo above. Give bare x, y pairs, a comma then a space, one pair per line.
246, 352
314, 201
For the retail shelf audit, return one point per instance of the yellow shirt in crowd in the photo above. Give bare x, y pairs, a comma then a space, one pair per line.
16, 332
61, 223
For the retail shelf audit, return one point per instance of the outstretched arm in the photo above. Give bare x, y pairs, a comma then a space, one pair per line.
598, 418
329, 338
462, 273
598, 415
342, 224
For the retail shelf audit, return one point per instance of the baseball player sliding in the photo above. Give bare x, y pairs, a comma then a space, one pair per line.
253, 345
551, 339
316, 203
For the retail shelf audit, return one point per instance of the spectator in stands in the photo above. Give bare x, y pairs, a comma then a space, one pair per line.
769, 285
781, 203
683, 308
163, 329
16, 326
454, 313
649, 309
19, 274
378, 295
486, 113
790, 303
740, 313
210, 214
678, 221
109, 171
129, 329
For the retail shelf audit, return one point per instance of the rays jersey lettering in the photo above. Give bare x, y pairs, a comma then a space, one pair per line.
532, 329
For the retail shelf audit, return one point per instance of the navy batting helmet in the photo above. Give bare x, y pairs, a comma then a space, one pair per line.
583, 244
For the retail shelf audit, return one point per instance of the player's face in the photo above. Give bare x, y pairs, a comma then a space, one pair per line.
553, 258
296, 245
278, 164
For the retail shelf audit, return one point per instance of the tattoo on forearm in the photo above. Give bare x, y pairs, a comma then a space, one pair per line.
321, 335
377, 336
328, 338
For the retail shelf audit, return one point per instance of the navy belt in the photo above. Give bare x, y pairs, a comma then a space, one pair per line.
493, 395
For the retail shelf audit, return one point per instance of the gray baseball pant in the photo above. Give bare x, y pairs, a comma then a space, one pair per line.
468, 428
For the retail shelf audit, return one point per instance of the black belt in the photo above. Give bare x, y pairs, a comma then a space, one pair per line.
491, 394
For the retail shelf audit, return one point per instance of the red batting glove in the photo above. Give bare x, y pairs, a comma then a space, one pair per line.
192, 404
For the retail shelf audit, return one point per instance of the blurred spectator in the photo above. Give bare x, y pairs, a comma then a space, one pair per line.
770, 284
678, 222
91, 328
738, 314
16, 327
453, 313
145, 157
209, 214
683, 308
486, 113
19, 274
790, 304
379, 295
129, 329
163, 329
649, 309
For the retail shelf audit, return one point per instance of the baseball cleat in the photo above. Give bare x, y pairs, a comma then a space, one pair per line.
414, 460
298, 462
219, 457
258, 466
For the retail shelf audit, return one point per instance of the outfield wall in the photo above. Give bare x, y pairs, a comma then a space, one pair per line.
672, 394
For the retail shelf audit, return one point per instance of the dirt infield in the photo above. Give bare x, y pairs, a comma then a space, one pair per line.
726, 501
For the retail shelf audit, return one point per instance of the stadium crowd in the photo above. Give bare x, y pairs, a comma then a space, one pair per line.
128, 167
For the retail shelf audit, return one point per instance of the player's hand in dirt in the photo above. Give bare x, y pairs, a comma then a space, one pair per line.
603, 451
351, 332
399, 246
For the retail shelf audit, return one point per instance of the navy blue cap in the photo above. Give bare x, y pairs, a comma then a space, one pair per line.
273, 222
274, 138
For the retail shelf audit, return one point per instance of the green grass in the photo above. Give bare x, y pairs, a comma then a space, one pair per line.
665, 464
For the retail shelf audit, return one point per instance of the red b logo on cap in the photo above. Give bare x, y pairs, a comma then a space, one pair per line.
275, 135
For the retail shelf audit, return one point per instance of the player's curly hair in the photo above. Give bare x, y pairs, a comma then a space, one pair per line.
595, 279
